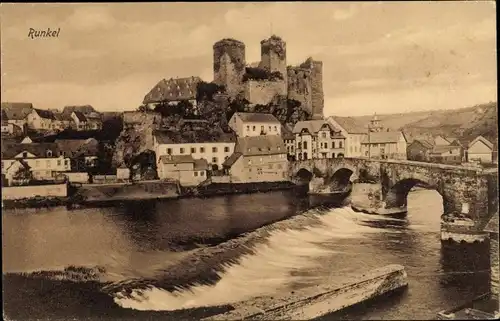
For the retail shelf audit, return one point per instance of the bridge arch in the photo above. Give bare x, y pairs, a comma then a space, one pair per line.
340, 178
303, 176
397, 195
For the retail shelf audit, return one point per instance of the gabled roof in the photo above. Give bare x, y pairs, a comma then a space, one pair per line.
349, 124
78, 147
260, 145
231, 159
37, 149
257, 118
173, 90
424, 143
80, 116
85, 109
483, 140
45, 114
186, 137
450, 139
312, 126
17, 111
443, 149
382, 137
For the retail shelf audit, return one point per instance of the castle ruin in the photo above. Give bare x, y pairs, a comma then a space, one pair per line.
271, 77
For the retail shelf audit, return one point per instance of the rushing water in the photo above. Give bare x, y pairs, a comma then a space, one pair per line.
170, 255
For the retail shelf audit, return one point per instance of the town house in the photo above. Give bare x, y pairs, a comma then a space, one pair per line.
173, 91
40, 119
480, 149
385, 145
289, 140
90, 121
214, 149
254, 124
258, 159
83, 153
443, 141
42, 160
353, 132
446, 154
182, 168
419, 150
16, 113
318, 139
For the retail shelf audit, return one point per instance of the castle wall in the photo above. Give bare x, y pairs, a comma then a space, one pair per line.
299, 87
317, 96
229, 65
262, 92
273, 55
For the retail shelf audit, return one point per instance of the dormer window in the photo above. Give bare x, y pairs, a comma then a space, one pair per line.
25, 154
48, 153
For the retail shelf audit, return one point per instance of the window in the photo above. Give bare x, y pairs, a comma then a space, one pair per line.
48, 163
58, 162
214, 149
248, 128
305, 145
300, 145
214, 159
292, 148
66, 162
253, 128
333, 145
249, 162
193, 150
202, 149
275, 128
202, 173
225, 157
340, 144
169, 151
182, 150
269, 128
261, 128
25, 154
226, 149
195, 174
323, 135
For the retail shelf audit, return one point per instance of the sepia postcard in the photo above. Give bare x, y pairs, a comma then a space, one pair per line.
249, 160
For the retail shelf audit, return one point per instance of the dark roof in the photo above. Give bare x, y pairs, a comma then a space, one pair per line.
176, 159
200, 164
173, 90
81, 117
185, 137
382, 137
37, 149
85, 109
286, 133
260, 145
314, 126
257, 117
231, 159
492, 225
78, 147
45, 114
350, 125
424, 143
17, 111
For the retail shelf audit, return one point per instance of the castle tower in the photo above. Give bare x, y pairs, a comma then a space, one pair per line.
273, 58
229, 65
317, 95
375, 125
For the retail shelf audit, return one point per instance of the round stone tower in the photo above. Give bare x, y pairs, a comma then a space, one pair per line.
229, 64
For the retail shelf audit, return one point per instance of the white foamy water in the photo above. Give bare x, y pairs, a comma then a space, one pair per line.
268, 271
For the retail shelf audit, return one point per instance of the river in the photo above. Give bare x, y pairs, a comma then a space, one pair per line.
154, 257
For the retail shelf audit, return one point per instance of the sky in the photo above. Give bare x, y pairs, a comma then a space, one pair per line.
384, 57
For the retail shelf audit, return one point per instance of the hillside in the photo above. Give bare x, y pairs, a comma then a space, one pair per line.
465, 122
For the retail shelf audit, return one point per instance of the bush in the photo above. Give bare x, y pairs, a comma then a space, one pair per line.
261, 74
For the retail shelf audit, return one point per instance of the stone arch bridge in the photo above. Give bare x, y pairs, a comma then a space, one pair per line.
467, 192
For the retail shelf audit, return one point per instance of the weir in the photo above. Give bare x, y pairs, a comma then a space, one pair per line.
314, 302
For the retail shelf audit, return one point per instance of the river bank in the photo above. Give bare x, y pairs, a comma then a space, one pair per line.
109, 195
